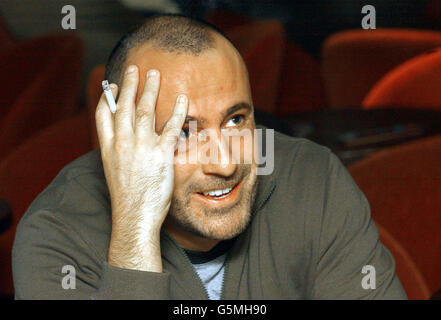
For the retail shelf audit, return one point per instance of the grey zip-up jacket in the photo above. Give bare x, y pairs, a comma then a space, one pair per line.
310, 236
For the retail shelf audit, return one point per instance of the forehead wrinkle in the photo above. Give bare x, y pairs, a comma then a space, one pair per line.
200, 77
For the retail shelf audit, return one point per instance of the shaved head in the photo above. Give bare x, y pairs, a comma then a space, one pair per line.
194, 59
170, 33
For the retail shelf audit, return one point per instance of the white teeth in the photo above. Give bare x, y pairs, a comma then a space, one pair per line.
217, 193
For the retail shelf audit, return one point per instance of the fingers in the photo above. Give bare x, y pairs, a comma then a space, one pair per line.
104, 118
174, 125
145, 111
126, 102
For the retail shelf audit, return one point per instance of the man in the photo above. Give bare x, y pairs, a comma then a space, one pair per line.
137, 220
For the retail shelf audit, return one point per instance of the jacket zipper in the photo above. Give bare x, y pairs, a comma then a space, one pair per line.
198, 279
195, 275
224, 277
222, 297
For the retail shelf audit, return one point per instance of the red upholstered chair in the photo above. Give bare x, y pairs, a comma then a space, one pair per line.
262, 46
26, 171
408, 273
39, 82
403, 186
415, 83
301, 84
292, 76
353, 61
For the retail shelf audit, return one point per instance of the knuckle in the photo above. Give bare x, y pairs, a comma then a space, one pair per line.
132, 77
172, 132
153, 86
175, 122
120, 145
178, 116
143, 113
122, 112
169, 127
129, 83
168, 142
172, 136
148, 99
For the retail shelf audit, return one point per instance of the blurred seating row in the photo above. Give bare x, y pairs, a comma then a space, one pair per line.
358, 68
46, 129
284, 78
43, 126
29, 168
395, 68
369, 68
403, 186
40, 82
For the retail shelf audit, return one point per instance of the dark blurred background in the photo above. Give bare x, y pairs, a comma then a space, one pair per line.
372, 96
100, 23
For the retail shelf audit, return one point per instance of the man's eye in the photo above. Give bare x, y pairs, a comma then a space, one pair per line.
235, 121
184, 134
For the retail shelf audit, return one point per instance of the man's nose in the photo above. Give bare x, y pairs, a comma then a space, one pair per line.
218, 158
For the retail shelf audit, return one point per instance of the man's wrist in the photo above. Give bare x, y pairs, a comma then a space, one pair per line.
136, 252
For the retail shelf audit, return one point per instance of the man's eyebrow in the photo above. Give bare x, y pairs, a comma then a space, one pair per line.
230, 110
190, 118
238, 106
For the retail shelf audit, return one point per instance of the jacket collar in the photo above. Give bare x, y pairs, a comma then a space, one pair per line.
181, 269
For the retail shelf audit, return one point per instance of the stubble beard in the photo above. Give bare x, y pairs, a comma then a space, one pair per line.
214, 223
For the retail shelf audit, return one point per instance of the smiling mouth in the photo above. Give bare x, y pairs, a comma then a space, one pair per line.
220, 194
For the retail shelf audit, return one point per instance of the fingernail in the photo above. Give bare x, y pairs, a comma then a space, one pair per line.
113, 86
131, 69
152, 73
182, 98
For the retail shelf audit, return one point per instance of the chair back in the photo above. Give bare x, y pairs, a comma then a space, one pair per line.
406, 270
403, 186
415, 83
354, 60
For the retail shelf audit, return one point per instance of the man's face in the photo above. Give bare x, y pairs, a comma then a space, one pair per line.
217, 86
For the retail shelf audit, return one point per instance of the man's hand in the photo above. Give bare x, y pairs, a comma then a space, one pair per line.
138, 165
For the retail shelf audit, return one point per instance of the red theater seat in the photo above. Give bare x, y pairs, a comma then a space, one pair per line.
408, 273
353, 61
40, 81
282, 82
262, 46
26, 171
301, 84
403, 186
415, 83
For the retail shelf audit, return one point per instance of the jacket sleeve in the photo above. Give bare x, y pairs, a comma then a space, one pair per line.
351, 263
53, 258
